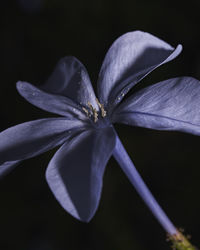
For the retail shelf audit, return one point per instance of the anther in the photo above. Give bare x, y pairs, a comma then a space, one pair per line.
94, 112
101, 106
91, 111
86, 111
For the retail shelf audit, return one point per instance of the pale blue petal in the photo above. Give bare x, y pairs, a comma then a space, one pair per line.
130, 58
70, 79
75, 172
168, 105
50, 102
35, 137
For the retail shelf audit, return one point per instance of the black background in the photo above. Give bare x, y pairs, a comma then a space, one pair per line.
34, 35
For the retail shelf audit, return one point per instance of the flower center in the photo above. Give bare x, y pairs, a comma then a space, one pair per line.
92, 112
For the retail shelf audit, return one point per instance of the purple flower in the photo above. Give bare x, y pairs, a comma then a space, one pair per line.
85, 128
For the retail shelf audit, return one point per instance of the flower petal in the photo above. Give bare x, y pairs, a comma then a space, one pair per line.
75, 172
7, 167
35, 137
168, 105
130, 58
49, 102
70, 79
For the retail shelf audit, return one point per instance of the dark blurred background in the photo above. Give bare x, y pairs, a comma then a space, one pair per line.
34, 35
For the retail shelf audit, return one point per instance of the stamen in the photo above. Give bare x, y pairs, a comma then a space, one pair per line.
101, 106
91, 111
86, 111
94, 112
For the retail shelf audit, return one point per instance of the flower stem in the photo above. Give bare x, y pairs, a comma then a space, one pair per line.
121, 156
